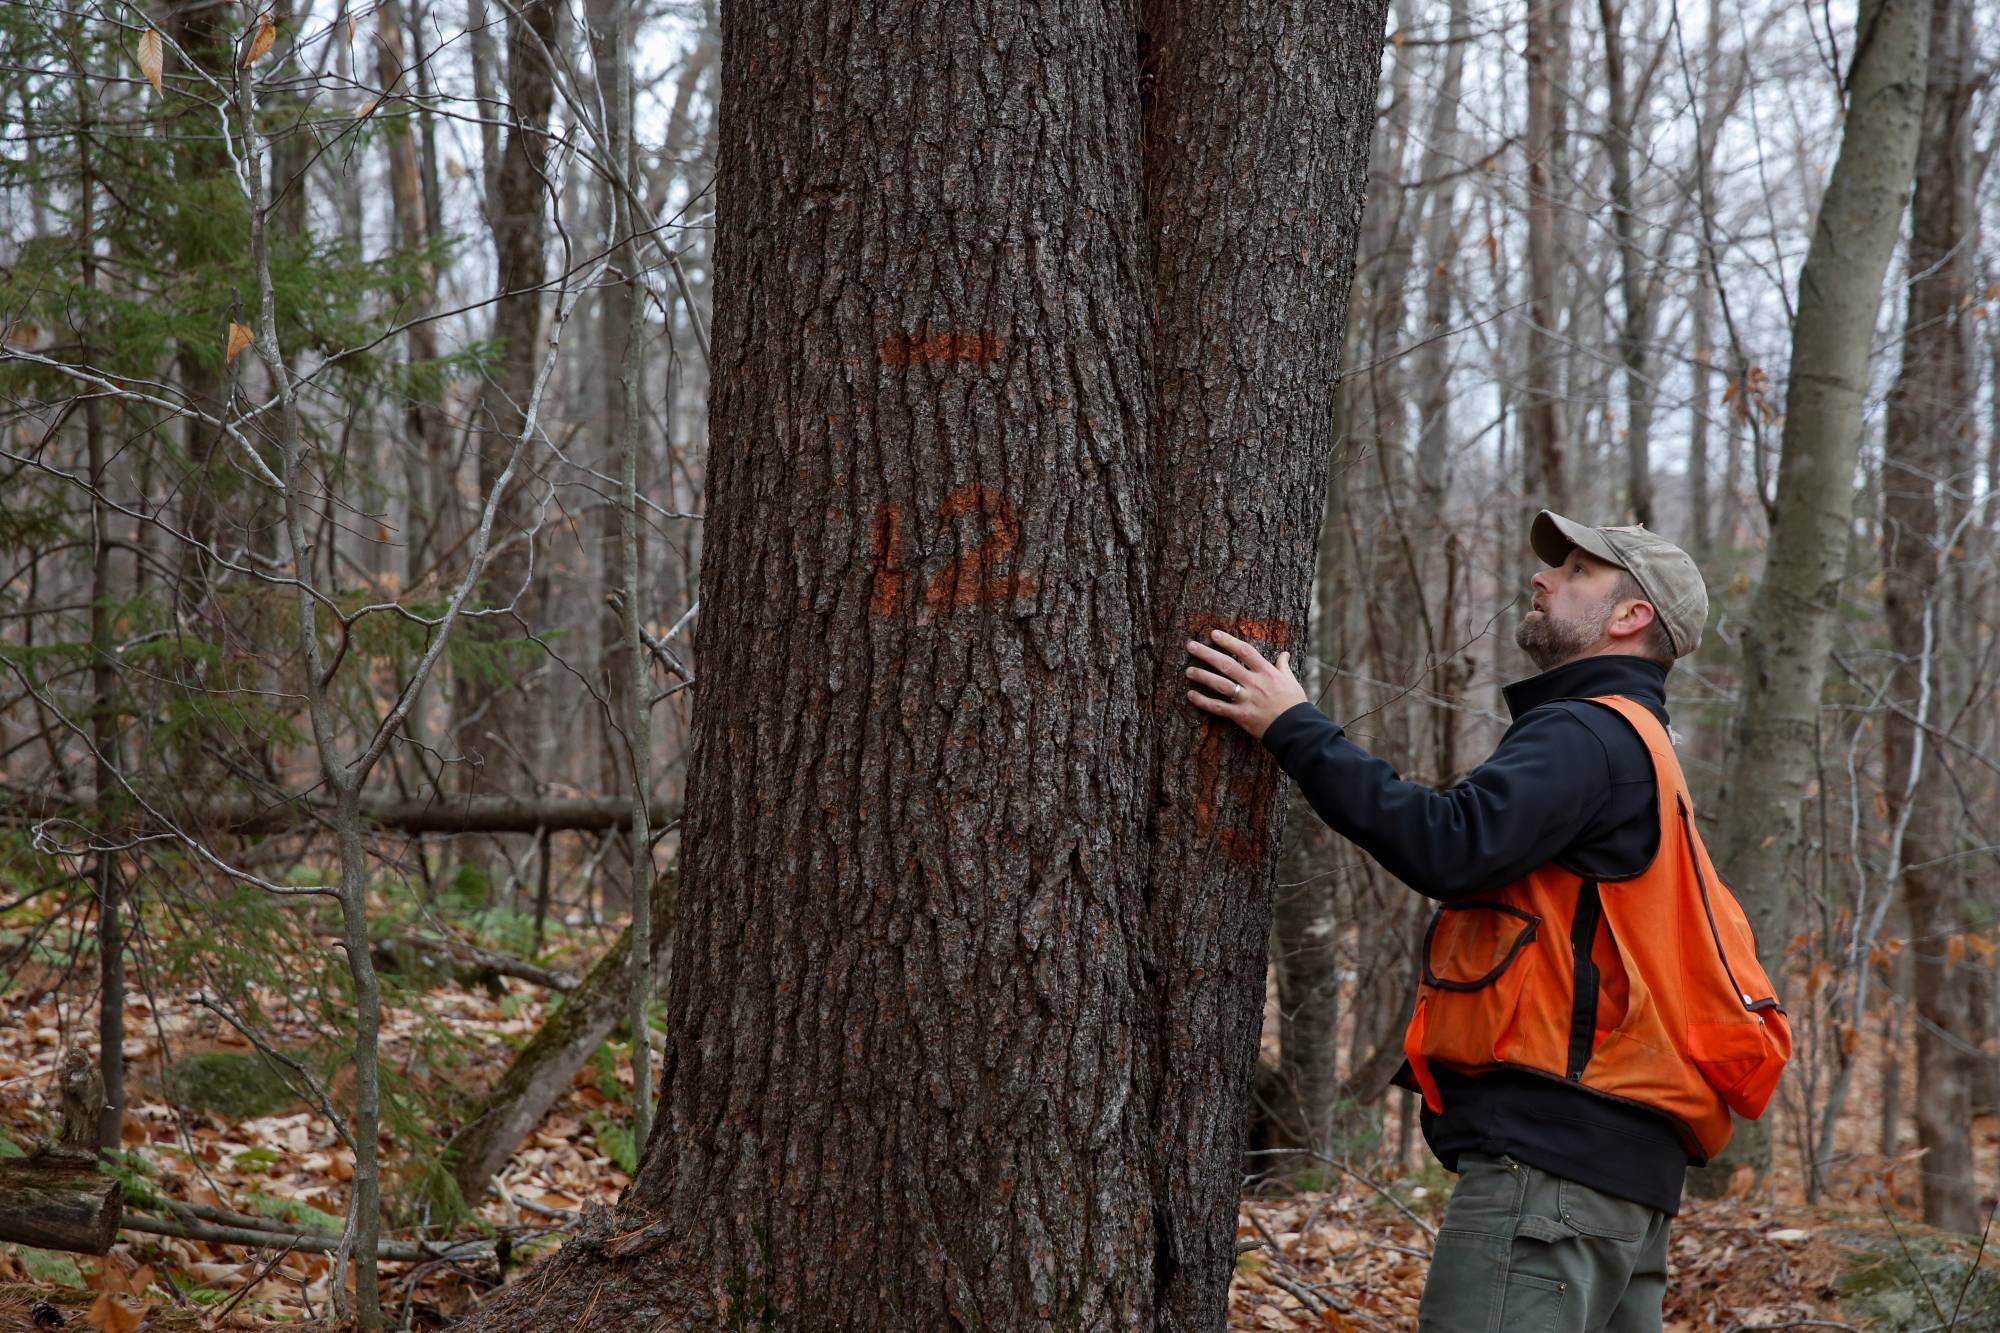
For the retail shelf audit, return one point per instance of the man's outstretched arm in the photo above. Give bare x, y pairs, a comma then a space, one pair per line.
1541, 788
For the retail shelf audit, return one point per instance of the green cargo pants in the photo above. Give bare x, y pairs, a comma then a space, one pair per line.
1522, 1251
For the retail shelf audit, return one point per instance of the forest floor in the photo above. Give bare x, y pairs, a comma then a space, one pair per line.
1345, 1250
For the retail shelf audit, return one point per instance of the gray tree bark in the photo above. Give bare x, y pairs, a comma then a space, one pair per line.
1542, 445
1928, 477
518, 206
1789, 630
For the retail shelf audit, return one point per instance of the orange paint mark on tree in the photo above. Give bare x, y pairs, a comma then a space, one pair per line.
925, 348
887, 567
1254, 788
1208, 774
972, 580
1246, 842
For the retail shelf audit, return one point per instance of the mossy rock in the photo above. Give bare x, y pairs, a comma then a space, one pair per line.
227, 1083
1885, 1291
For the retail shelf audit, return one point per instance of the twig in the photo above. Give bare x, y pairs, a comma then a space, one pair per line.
1307, 1297
322, 1242
1383, 1190
1972, 1271
1908, 1258
250, 1286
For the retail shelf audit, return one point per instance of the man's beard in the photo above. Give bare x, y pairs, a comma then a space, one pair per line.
1550, 642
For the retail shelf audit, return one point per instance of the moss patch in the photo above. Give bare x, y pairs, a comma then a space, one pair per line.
1885, 1290
227, 1083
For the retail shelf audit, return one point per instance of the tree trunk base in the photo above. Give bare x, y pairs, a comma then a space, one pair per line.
617, 1274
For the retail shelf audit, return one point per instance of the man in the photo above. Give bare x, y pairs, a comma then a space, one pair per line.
1575, 1041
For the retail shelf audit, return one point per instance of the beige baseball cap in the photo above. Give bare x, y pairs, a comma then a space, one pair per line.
1667, 574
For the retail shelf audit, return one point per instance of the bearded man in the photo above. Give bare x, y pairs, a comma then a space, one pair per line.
1571, 1141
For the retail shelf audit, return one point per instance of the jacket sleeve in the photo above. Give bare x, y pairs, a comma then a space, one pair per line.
1543, 787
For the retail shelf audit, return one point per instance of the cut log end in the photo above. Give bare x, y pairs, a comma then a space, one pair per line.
57, 1204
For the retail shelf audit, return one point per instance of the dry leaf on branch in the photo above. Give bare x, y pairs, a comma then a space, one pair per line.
261, 43
361, 112
152, 60
239, 338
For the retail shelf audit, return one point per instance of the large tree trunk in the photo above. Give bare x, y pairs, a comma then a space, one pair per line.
967, 979
1928, 472
1787, 636
1257, 137
908, 1019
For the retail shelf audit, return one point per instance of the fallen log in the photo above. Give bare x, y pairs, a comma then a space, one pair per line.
472, 965
55, 1203
543, 1069
245, 816
300, 1238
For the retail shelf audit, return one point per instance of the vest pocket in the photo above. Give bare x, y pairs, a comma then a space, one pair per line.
1478, 961
1741, 1061
1470, 945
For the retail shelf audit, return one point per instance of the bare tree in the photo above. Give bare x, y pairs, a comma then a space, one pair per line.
1928, 479
1789, 630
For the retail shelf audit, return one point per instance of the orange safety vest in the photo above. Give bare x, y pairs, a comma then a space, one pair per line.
1648, 992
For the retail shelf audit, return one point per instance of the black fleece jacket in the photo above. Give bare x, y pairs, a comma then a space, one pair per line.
1570, 783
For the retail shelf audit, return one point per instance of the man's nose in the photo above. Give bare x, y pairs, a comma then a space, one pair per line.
1537, 583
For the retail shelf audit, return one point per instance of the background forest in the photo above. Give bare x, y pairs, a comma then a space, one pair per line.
356, 387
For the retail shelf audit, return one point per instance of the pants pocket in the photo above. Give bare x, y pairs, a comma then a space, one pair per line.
1465, 1290
1597, 1214
1536, 1304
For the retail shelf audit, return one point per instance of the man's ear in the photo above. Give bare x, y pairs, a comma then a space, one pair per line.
1637, 616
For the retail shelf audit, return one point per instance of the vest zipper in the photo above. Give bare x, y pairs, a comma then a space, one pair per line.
1743, 997
1585, 979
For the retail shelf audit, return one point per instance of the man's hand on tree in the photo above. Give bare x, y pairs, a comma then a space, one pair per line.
1248, 690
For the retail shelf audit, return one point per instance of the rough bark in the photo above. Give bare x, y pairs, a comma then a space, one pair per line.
1635, 317
1257, 141
963, 1017
1928, 473
903, 1079
431, 498
614, 324
1789, 630
205, 185
291, 150
1440, 231
110, 1111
